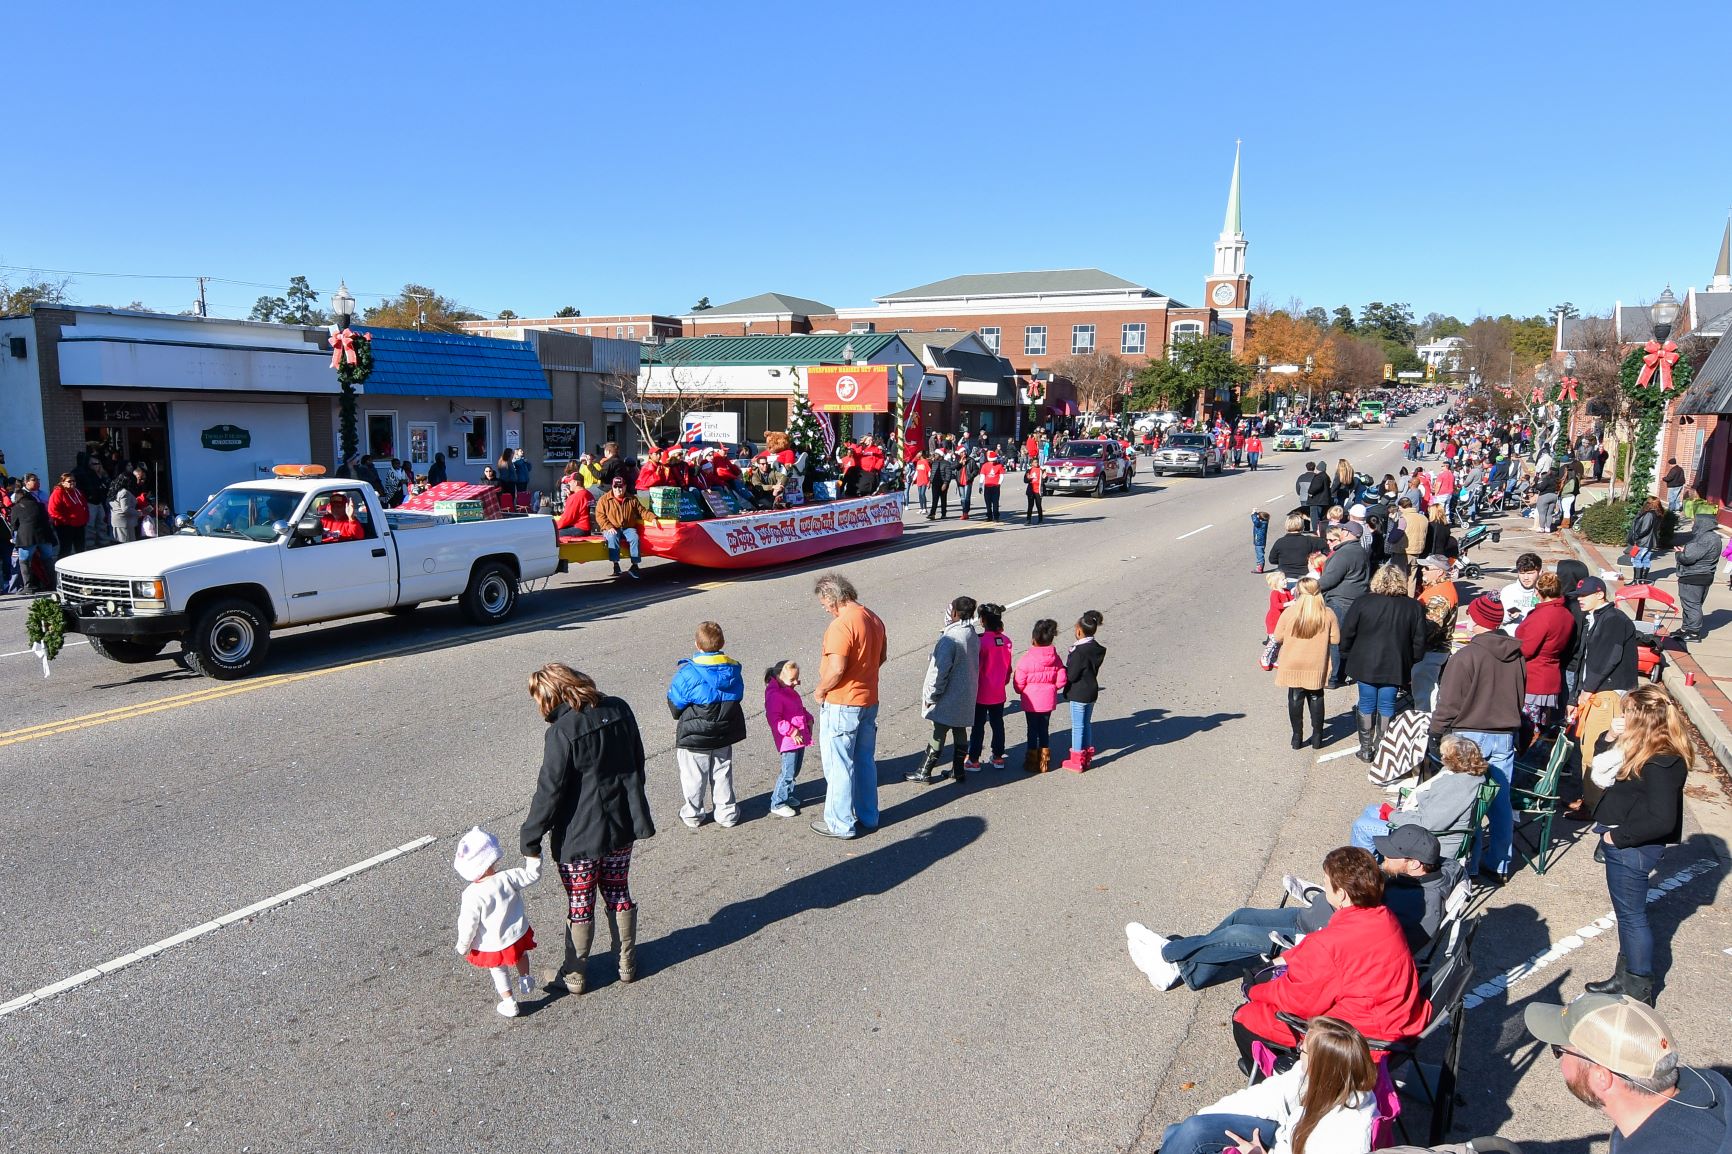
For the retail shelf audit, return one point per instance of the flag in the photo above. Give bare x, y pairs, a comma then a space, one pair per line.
913, 436
693, 436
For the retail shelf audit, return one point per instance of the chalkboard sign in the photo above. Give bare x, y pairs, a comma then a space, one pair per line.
561, 441
718, 503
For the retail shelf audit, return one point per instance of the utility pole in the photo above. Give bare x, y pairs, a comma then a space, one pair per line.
201, 305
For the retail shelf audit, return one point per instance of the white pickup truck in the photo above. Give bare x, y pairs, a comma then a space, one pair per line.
275, 553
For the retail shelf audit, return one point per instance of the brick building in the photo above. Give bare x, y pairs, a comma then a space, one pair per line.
1035, 318
624, 327
767, 314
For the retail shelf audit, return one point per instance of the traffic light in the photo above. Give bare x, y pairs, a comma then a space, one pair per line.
1389, 372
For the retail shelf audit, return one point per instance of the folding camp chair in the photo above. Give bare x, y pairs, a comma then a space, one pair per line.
1470, 833
1534, 803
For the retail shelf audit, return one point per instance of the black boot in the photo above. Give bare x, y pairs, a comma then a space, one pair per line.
1379, 724
1616, 984
1639, 986
958, 774
1296, 716
924, 774
1314, 699
1367, 736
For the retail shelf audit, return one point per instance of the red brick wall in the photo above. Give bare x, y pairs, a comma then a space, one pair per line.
740, 327
1058, 322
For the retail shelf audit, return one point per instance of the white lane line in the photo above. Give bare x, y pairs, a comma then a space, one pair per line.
215, 924
1192, 533
1333, 756
32, 652
1026, 600
1497, 985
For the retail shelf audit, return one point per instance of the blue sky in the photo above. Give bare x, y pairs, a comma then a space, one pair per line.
635, 156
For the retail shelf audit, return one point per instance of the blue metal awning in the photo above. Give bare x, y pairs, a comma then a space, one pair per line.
411, 364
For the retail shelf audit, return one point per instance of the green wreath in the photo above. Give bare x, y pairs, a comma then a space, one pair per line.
46, 625
349, 376
1647, 403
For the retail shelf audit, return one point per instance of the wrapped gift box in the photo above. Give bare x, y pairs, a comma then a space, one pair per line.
460, 510
664, 501
486, 496
824, 490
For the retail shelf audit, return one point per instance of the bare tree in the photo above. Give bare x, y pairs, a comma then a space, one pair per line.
1098, 377
662, 397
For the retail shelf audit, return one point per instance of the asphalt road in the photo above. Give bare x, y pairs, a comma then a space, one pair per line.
956, 981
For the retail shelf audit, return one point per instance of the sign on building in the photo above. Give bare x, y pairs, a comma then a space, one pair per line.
849, 388
561, 441
225, 438
710, 428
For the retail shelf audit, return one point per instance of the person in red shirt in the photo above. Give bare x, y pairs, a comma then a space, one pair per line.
1253, 449
1030, 449
339, 522
575, 516
991, 475
871, 466
650, 473
1358, 968
1239, 447
1033, 515
69, 513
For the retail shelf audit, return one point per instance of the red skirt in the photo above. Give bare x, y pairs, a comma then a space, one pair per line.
509, 956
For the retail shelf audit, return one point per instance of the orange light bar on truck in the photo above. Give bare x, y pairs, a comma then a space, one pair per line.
299, 470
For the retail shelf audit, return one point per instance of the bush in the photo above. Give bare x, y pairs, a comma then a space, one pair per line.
1606, 522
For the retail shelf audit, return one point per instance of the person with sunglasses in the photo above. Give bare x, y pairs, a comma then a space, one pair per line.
1618, 1055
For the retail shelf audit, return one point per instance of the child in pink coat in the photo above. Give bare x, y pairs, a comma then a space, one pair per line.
1039, 678
995, 660
791, 727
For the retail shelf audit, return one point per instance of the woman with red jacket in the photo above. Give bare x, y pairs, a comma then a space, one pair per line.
69, 513
574, 518
1545, 635
1358, 968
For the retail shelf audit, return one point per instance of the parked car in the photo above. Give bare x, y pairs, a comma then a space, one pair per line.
1089, 467
1292, 437
1355, 421
1188, 453
267, 555
1322, 431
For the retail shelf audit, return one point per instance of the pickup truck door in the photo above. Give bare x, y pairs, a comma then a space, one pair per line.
337, 578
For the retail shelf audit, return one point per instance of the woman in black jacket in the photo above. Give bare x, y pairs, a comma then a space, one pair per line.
1438, 540
1292, 551
591, 801
1641, 813
1382, 640
1644, 538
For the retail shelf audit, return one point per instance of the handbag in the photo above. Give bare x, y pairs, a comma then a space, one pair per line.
1271, 651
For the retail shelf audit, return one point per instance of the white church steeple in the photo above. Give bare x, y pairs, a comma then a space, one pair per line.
1722, 282
1230, 248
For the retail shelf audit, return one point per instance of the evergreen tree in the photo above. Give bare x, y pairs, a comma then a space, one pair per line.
804, 432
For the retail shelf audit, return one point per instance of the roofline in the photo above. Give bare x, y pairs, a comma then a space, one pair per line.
104, 310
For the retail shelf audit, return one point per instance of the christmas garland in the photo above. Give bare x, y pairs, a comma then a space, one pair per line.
1647, 402
46, 626
352, 357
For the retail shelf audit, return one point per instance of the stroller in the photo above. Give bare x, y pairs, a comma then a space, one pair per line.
1477, 535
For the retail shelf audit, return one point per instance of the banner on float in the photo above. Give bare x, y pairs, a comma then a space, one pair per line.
738, 536
848, 388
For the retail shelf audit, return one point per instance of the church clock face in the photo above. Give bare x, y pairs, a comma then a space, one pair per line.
1223, 294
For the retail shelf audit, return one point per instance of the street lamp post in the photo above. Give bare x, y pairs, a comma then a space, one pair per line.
1310, 364
1664, 313
343, 305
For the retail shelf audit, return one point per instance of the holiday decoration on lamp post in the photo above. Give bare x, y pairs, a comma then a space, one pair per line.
352, 357
1566, 398
1648, 376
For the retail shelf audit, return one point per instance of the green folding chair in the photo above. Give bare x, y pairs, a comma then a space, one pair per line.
1534, 803
1470, 832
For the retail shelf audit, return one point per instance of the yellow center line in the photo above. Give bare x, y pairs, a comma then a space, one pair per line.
220, 691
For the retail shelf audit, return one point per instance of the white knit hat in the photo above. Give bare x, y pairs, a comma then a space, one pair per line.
478, 850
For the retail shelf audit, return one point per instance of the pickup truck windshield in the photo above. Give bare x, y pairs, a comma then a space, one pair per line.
245, 513
1187, 441
1092, 450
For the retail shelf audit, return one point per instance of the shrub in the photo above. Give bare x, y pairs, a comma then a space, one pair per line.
1606, 522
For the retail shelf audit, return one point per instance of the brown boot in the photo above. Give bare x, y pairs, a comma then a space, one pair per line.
1031, 760
625, 930
572, 975
1046, 761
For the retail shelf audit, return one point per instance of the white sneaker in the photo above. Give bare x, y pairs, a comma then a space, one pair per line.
525, 986
1146, 946
507, 1007
784, 810
729, 824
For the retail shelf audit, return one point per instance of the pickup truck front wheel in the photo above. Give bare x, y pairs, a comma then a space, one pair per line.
127, 651
229, 640
492, 593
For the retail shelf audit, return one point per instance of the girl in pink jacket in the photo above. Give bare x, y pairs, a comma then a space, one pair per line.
995, 659
1039, 678
791, 727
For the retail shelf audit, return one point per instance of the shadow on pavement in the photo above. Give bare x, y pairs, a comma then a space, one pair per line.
1117, 737
1496, 1050
875, 872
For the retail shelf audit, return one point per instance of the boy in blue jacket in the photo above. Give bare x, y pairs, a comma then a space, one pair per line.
704, 698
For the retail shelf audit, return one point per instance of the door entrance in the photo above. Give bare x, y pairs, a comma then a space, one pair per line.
135, 432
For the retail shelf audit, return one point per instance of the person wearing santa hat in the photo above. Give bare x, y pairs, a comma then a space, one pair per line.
991, 476
1480, 697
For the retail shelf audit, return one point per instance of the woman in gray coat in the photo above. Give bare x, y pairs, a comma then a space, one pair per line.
947, 698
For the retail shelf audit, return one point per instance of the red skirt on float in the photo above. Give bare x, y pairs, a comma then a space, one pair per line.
509, 956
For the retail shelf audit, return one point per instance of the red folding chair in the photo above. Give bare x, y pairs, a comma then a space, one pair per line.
1651, 633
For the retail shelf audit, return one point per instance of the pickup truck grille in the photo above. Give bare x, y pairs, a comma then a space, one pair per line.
97, 590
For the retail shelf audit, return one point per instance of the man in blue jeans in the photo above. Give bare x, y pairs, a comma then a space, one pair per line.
1479, 697
847, 696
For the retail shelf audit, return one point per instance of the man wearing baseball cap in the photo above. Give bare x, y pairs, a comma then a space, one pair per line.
1617, 1055
1416, 880
1480, 698
1605, 659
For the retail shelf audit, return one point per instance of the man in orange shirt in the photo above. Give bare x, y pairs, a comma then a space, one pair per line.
847, 695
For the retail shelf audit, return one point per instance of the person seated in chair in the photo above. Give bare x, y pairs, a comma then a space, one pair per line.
1355, 965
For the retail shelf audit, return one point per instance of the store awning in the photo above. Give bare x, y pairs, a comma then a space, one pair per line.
412, 364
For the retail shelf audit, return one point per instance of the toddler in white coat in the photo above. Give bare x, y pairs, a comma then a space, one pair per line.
493, 931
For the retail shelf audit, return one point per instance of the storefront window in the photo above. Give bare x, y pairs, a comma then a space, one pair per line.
382, 435
477, 438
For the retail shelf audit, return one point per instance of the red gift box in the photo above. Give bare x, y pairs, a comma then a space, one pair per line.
488, 495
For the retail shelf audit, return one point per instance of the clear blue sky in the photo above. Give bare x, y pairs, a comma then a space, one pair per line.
636, 156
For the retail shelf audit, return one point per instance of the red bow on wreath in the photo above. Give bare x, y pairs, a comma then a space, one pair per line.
1658, 356
1537, 395
1567, 390
343, 347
